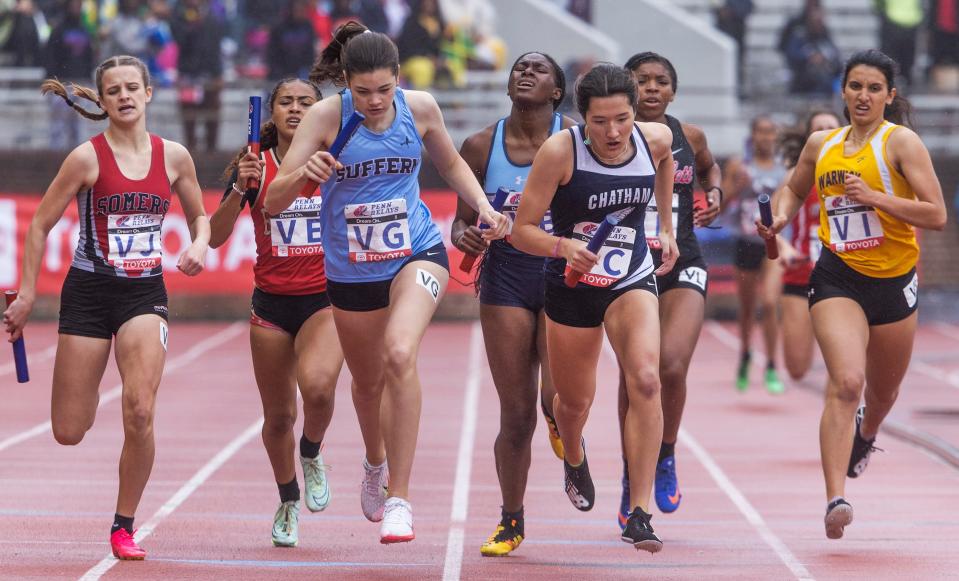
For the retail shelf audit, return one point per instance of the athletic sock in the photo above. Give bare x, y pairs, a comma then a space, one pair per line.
122, 522
309, 449
289, 491
666, 450
515, 517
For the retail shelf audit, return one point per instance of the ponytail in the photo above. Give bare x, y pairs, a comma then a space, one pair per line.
900, 112
355, 49
57, 88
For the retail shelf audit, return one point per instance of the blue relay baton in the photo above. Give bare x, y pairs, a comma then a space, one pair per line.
766, 217
349, 128
498, 200
595, 243
19, 349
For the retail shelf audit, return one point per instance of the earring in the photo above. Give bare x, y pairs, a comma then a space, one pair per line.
586, 140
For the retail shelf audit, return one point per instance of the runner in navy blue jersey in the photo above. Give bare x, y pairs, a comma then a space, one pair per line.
609, 167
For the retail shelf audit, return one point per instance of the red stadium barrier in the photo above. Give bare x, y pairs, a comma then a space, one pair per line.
229, 269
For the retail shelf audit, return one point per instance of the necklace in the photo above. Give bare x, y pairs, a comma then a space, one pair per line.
612, 160
856, 142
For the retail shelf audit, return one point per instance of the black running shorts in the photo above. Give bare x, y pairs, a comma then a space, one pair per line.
97, 305
883, 300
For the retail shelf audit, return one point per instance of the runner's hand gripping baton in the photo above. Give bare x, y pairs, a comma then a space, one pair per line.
19, 350
766, 216
595, 243
253, 139
338, 144
498, 200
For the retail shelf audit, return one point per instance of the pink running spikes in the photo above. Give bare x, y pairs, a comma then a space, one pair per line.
125, 548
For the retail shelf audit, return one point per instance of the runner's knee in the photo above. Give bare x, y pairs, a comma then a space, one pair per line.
642, 382
847, 386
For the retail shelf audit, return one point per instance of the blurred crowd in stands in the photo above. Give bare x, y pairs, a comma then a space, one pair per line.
908, 29
196, 45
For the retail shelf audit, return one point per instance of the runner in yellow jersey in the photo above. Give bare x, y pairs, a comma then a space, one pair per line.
876, 184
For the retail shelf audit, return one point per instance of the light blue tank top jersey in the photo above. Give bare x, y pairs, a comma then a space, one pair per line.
372, 216
502, 172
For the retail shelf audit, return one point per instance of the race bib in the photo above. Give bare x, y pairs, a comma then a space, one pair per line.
694, 275
911, 292
651, 222
852, 226
134, 240
296, 230
614, 256
378, 231
511, 206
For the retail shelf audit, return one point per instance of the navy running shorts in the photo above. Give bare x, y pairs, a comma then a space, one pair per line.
510, 278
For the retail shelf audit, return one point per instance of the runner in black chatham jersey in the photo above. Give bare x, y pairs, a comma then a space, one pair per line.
609, 165
682, 292
595, 190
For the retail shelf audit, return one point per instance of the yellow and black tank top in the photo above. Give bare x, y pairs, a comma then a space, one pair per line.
870, 241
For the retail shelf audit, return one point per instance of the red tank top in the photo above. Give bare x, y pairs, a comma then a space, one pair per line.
120, 218
805, 239
289, 255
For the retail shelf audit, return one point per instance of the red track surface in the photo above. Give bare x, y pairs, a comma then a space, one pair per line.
748, 466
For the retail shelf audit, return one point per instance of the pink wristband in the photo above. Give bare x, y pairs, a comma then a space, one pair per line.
559, 240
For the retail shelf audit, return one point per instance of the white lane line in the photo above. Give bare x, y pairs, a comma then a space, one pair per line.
735, 495
747, 509
187, 357
32, 358
464, 460
180, 496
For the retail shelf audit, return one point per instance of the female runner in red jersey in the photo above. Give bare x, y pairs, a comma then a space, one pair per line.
122, 181
292, 336
799, 254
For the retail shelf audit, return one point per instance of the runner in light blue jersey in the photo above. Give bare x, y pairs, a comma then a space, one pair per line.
511, 285
385, 261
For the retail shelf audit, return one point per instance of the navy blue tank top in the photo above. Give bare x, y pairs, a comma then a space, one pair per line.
684, 180
596, 190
